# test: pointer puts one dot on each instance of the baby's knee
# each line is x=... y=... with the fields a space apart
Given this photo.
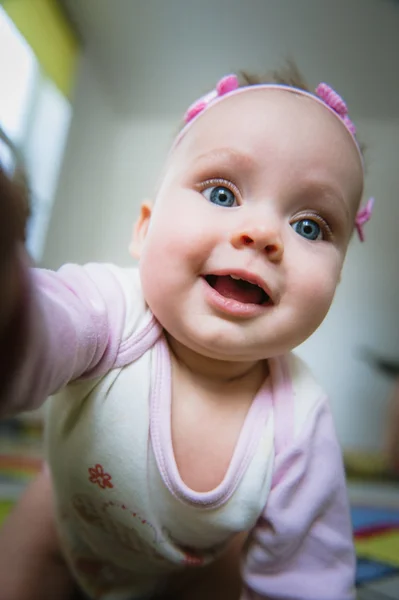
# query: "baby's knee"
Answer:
x=31 y=563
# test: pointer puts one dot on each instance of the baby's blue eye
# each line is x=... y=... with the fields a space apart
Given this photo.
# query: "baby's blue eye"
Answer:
x=221 y=196
x=308 y=229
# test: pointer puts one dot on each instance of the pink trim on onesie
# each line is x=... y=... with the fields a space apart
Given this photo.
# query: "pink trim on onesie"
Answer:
x=259 y=412
x=135 y=346
x=283 y=403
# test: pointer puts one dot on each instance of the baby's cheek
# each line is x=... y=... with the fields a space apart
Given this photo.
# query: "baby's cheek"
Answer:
x=319 y=296
x=161 y=272
x=188 y=247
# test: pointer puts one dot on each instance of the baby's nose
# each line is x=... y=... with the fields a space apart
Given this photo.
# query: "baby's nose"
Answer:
x=262 y=238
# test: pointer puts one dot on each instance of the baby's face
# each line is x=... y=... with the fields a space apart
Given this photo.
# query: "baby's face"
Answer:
x=264 y=187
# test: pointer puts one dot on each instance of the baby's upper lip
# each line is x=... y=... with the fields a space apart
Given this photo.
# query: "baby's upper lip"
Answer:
x=253 y=278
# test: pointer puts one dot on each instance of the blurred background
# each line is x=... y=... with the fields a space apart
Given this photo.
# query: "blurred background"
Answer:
x=92 y=94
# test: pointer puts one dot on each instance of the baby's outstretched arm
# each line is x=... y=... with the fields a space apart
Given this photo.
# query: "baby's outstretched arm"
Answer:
x=54 y=326
x=301 y=548
x=74 y=325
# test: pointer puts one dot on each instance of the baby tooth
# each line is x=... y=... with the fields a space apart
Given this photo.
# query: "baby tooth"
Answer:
x=235 y=277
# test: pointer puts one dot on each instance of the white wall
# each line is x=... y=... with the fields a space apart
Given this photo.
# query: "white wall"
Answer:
x=112 y=163
x=79 y=228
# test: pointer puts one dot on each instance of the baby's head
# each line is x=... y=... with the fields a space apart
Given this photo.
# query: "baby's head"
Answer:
x=241 y=253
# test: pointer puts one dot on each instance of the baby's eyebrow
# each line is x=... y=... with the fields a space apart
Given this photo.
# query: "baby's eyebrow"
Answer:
x=328 y=196
x=228 y=155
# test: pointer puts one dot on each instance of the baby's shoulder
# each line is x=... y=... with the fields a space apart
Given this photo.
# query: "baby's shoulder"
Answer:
x=136 y=309
x=309 y=396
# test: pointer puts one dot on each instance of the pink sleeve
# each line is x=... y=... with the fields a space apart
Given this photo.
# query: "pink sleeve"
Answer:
x=301 y=547
x=75 y=323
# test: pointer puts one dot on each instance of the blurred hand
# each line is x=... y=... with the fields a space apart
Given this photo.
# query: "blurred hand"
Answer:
x=12 y=231
x=13 y=214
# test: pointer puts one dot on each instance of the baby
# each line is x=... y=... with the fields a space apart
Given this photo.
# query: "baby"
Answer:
x=181 y=418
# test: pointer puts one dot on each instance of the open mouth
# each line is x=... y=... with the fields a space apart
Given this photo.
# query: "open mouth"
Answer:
x=238 y=289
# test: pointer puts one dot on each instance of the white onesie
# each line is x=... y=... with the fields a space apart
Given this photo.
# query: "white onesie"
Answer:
x=126 y=518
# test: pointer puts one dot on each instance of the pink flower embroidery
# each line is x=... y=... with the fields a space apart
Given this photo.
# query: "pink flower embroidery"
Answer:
x=190 y=560
x=97 y=475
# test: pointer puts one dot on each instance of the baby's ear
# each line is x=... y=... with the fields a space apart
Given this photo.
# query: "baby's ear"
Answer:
x=140 y=229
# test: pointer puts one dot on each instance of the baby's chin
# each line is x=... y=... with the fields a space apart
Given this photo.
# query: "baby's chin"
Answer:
x=231 y=340
x=220 y=345
x=225 y=355
x=224 y=342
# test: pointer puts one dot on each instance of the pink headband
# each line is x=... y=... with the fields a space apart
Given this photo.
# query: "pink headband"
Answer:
x=325 y=95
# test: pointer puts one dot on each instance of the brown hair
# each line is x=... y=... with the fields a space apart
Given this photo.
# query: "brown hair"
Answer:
x=289 y=74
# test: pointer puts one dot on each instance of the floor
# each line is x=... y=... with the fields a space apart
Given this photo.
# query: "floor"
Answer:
x=387 y=589
x=375 y=516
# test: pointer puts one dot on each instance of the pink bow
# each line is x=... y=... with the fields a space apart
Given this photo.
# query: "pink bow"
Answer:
x=334 y=101
x=227 y=84
x=362 y=217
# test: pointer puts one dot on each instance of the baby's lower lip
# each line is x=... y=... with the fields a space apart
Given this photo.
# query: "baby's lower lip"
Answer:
x=231 y=306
